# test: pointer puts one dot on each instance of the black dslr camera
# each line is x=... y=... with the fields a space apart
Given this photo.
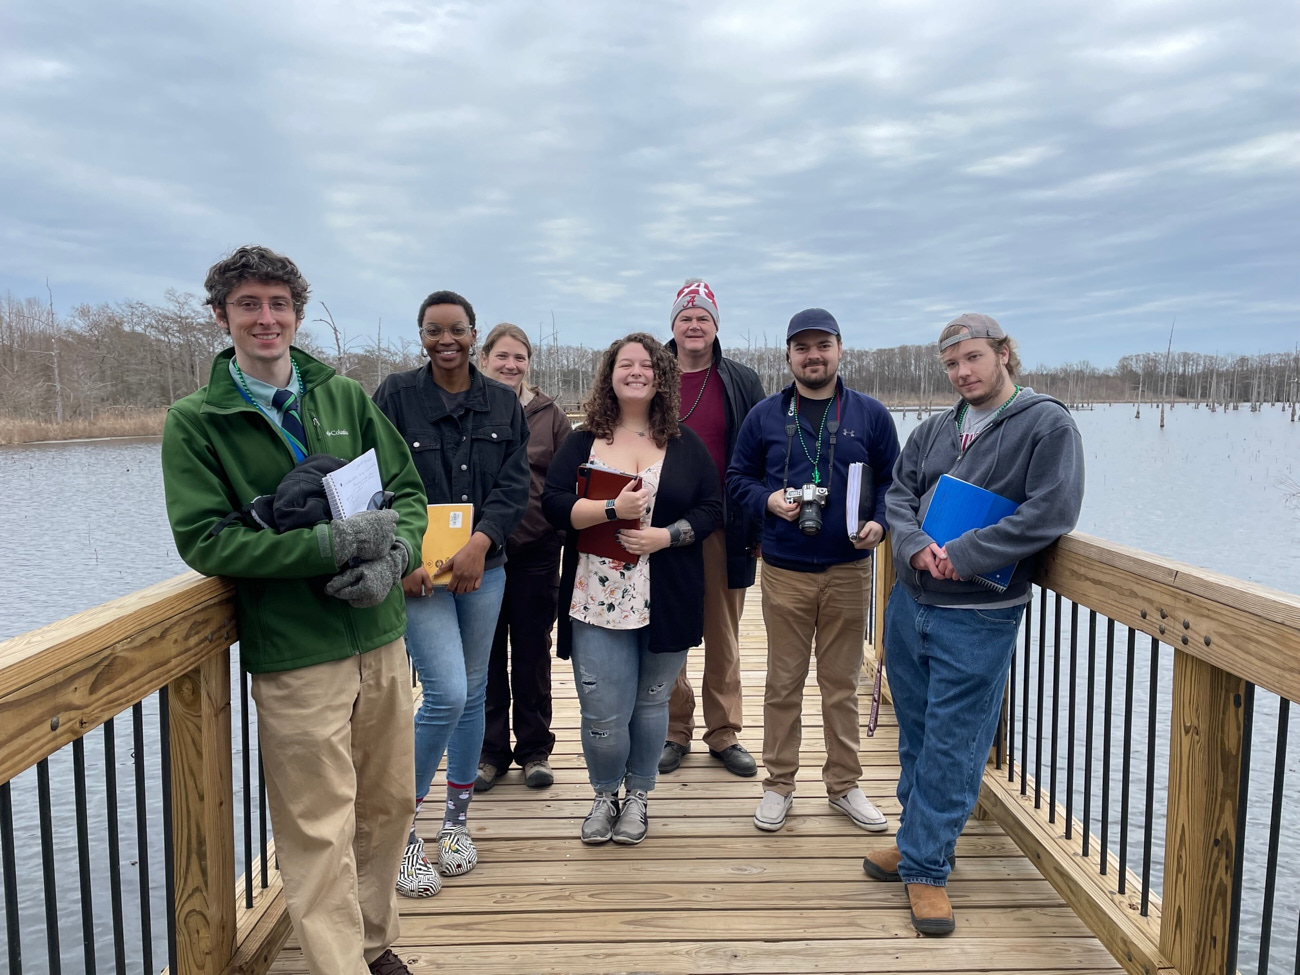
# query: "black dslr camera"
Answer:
x=811 y=499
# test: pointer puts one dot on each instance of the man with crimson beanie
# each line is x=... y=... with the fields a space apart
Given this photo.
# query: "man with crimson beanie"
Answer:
x=717 y=393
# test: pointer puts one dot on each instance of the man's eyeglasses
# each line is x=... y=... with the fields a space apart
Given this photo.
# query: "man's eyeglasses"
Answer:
x=435 y=331
x=251 y=306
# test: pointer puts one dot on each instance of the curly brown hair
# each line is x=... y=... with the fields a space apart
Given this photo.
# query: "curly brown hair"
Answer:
x=601 y=406
x=254 y=263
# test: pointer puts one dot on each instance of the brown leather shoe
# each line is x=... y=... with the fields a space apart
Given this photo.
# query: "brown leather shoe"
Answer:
x=883 y=864
x=931 y=911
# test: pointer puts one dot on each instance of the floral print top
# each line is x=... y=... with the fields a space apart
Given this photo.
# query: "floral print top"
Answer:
x=613 y=594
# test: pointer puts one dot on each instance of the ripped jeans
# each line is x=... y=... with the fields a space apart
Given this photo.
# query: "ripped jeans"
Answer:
x=623 y=691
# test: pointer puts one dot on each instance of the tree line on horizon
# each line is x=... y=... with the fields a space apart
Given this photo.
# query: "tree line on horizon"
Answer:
x=111 y=359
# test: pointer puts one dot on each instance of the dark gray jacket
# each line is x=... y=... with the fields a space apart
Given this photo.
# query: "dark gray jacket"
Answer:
x=1031 y=454
x=481 y=458
x=743 y=391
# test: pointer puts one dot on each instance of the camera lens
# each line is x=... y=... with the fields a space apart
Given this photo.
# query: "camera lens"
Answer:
x=810 y=518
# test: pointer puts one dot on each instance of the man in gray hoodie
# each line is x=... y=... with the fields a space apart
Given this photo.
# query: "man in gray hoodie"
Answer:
x=949 y=636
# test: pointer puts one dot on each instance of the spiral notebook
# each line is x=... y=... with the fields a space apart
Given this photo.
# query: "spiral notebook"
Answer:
x=958 y=507
x=356 y=486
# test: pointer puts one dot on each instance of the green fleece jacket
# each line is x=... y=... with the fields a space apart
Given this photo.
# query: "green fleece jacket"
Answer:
x=220 y=452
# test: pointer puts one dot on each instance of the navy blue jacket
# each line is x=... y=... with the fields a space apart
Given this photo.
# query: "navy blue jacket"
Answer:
x=866 y=434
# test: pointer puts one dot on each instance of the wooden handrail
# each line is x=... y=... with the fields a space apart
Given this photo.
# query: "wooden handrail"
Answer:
x=64 y=680
x=1224 y=632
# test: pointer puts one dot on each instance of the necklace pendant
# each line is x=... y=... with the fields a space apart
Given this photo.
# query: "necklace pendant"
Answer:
x=817 y=476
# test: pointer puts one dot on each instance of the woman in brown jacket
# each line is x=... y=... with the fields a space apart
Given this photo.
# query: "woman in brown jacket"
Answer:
x=532 y=577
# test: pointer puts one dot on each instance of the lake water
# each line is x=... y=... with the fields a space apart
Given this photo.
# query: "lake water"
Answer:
x=83 y=523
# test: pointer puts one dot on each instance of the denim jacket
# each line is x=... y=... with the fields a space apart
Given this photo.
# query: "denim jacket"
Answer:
x=480 y=457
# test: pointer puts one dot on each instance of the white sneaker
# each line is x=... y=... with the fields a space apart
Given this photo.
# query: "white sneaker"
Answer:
x=859 y=809
x=771 y=812
x=416 y=877
x=456 y=853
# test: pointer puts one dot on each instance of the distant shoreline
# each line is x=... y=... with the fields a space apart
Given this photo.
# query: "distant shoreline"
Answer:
x=149 y=423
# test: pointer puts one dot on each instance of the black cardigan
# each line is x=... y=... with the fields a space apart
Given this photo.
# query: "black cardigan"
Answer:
x=688 y=488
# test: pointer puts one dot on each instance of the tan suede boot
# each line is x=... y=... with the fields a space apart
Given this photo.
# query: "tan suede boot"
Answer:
x=883 y=864
x=931 y=911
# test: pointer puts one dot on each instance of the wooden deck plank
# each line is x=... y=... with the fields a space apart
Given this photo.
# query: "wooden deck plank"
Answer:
x=707 y=892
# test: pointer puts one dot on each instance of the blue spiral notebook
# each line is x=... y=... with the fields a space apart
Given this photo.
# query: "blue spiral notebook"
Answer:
x=959 y=506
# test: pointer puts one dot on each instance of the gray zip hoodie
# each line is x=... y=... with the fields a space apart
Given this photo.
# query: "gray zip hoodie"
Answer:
x=1031 y=454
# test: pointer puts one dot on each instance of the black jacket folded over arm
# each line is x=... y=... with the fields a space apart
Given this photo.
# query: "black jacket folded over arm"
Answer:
x=688 y=488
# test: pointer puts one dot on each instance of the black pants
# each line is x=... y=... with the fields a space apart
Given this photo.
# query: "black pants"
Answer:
x=527 y=615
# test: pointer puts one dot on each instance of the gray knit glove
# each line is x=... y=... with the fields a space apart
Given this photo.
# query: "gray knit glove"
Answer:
x=369 y=583
x=367 y=535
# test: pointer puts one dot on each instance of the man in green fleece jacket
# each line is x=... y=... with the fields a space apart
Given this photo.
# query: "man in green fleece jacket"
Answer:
x=320 y=609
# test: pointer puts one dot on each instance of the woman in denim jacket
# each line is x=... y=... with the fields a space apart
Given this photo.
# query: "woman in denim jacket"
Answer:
x=469 y=440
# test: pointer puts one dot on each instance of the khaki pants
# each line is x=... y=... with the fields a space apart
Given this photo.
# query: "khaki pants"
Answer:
x=803 y=612
x=337 y=744
x=720 y=690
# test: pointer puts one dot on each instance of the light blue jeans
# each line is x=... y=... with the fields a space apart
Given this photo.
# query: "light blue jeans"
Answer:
x=947 y=672
x=449 y=638
x=623 y=693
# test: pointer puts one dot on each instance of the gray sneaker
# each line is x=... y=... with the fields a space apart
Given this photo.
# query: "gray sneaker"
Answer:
x=632 y=823
x=538 y=775
x=598 y=827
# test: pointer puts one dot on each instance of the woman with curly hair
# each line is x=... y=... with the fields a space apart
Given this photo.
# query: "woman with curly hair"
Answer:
x=628 y=625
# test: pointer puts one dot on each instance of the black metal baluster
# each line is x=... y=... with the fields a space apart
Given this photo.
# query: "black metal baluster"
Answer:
x=1087 y=733
x=1056 y=705
x=1239 y=853
x=9 y=859
x=1024 y=699
x=142 y=837
x=1274 y=836
x=169 y=846
x=114 y=848
x=47 y=866
x=1126 y=761
x=1103 y=846
x=1038 y=713
x=1069 y=760
x=83 y=854
x=248 y=788
x=1149 y=822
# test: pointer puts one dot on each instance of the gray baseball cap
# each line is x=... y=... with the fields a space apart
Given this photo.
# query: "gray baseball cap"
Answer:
x=976 y=327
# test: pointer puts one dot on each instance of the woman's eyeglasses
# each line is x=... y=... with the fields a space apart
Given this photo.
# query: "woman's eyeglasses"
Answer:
x=435 y=331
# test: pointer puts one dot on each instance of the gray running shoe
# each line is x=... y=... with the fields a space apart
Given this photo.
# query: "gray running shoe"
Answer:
x=598 y=827
x=632 y=824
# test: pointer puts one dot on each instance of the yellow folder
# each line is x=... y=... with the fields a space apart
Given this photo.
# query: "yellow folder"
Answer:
x=449 y=529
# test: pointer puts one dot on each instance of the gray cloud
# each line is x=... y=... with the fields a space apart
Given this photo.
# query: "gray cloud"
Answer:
x=1082 y=171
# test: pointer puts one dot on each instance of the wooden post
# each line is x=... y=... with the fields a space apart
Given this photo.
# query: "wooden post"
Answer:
x=1201 y=826
x=202 y=818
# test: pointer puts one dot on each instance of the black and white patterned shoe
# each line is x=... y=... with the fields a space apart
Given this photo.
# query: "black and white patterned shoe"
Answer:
x=417 y=877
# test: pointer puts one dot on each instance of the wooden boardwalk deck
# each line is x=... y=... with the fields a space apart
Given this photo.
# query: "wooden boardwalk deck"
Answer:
x=707 y=892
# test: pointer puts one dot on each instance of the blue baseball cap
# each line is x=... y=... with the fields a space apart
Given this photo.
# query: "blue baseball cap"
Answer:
x=815 y=318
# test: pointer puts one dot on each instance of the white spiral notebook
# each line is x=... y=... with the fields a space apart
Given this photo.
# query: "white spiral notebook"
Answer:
x=353 y=486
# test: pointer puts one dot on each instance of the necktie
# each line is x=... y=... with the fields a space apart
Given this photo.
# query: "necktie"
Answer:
x=291 y=421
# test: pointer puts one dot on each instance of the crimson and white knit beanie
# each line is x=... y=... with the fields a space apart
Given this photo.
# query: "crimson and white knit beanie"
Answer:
x=695 y=293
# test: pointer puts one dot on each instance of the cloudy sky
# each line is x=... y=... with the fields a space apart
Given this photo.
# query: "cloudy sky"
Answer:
x=1084 y=171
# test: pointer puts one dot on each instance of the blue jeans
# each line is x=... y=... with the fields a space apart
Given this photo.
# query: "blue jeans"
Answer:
x=947 y=673
x=449 y=638
x=623 y=693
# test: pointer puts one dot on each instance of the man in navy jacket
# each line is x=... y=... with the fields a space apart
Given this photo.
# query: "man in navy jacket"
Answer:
x=815 y=585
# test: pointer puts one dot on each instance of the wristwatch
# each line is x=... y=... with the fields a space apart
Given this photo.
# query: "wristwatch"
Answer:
x=610 y=513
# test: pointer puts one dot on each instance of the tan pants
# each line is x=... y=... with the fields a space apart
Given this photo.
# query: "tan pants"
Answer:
x=720 y=690
x=799 y=608
x=339 y=752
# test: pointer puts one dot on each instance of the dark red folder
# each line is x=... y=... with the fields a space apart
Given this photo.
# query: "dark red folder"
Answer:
x=600 y=484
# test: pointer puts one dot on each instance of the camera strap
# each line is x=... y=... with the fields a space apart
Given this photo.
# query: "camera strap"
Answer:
x=790 y=430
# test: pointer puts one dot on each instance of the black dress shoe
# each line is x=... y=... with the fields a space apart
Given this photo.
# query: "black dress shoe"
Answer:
x=735 y=760
x=671 y=759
